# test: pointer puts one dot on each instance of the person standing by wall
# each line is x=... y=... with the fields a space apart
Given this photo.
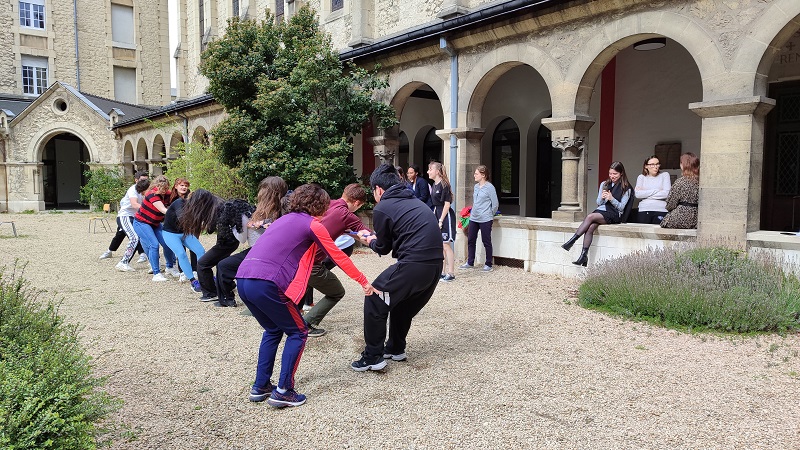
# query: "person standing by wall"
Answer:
x=441 y=198
x=406 y=228
x=421 y=188
x=481 y=218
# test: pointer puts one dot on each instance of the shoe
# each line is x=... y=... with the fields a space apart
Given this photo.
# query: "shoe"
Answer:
x=160 y=277
x=196 y=286
x=142 y=259
x=223 y=303
x=398 y=357
x=173 y=271
x=106 y=254
x=568 y=245
x=442 y=276
x=487 y=268
x=315 y=332
x=259 y=394
x=583 y=259
x=448 y=278
x=208 y=297
x=182 y=278
x=149 y=270
x=289 y=398
x=307 y=308
x=122 y=267
x=466 y=266
x=362 y=365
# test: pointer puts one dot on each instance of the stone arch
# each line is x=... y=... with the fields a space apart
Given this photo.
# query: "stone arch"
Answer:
x=489 y=69
x=582 y=74
x=769 y=32
x=406 y=82
x=159 y=149
x=174 y=141
x=142 y=150
x=200 y=135
x=128 y=164
x=42 y=136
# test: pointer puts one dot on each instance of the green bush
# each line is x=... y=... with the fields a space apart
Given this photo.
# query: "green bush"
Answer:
x=200 y=165
x=48 y=396
x=699 y=288
x=103 y=185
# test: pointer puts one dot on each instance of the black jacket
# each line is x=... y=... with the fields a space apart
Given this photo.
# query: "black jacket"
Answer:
x=406 y=227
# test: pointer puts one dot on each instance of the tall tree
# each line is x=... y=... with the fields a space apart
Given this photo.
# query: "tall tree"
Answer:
x=291 y=103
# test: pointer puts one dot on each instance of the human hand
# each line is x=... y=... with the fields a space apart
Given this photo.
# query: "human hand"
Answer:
x=369 y=290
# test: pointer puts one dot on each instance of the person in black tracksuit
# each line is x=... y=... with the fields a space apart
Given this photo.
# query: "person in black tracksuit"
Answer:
x=404 y=226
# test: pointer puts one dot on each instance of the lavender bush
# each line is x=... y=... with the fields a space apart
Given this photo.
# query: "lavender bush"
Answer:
x=698 y=288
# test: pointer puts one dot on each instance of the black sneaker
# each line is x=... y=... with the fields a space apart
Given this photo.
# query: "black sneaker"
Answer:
x=208 y=297
x=363 y=364
x=315 y=332
x=261 y=394
x=226 y=303
x=448 y=278
x=397 y=357
x=290 y=398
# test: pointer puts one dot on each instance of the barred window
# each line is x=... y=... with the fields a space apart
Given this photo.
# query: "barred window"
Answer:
x=337 y=5
x=31 y=14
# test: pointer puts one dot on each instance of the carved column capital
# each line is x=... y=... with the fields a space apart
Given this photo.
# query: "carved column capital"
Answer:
x=570 y=146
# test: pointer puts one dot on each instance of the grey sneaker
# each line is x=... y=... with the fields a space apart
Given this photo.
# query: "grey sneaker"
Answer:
x=398 y=357
x=315 y=332
x=487 y=268
x=141 y=259
x=106 y=254
x=466 y=266
x=122 y=267
x=363 y=365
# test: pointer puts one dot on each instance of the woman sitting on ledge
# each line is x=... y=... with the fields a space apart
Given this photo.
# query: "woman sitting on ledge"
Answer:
x=612 y=197
x=682 y=200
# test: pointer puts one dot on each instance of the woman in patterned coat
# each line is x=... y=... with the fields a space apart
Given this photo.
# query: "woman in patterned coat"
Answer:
x=682 y=200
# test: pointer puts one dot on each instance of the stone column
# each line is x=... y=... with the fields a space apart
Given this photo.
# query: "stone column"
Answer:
x=569 y=135
x=362 y=15
x=731 y=166
x=386 y=145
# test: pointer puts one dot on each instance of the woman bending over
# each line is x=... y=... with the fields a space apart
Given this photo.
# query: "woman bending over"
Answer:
x=613 y=195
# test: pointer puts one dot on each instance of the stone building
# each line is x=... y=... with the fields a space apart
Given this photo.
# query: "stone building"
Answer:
x=548 y=93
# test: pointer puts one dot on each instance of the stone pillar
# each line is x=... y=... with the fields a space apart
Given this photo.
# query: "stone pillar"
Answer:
x=25 y=186
x=731 y=166
x=569 y=135
x=362 y=15
x=386 y=145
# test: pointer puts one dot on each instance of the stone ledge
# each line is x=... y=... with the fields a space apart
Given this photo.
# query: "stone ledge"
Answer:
x=628 y=230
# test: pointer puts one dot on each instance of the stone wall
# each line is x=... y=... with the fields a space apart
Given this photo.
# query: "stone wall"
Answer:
x=8 y=78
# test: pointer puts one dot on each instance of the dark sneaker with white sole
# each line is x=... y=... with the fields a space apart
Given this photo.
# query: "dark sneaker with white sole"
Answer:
x=261 y=394
x=398 y=357
x=364 y=364
x=289 y=398
x=315 y=332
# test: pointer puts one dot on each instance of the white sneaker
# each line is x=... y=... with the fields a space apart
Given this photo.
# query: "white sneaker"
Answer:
x=106 y=254
x=142 y=258
x=123 y=267
x=182 y=278
x=160 y=277
x=173 y=271
x=149 y=270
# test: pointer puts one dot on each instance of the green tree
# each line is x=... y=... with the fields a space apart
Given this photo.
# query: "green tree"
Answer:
x=199 y=164
x=291 y=103
x=103 y=185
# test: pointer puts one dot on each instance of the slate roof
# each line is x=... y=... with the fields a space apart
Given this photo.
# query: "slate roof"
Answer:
x=15 y=103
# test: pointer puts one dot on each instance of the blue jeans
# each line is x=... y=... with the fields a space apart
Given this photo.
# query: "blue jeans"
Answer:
x=178 y=242
x=151 y=237
x=277 y=315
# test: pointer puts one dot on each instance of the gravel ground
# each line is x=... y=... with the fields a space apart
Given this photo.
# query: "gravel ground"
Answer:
x=498 y=360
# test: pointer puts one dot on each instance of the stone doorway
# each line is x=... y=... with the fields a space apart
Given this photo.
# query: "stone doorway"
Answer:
x=64 y=159
x=780 y=204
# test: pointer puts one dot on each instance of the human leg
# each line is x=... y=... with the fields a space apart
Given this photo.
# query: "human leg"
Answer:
x=169 y=255
x=116 y=241
x=133 y=239
x=406 y=305
x=449 y=259
x=206 y=264
x=254 y=294
x=174 y=242
x=331 y=288
x=195 y=249
x=472 y=240
x=376 y=311
x=149 y=242
x=226 y=277
x=486 y=238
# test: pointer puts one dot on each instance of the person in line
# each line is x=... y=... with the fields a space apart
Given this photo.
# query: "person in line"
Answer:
x=125 y=220
x=178 y=240
x=406 y=228
x=442 y=198
x=128 y=206
x=339 y=218
x=481 y=218
x=612 y=198
x=652 y=188
x=421 y=188
x=682 y=200
x=228 y=219
x=268 y=208
x=272 y=280
x=180 y=190
x=147 y=223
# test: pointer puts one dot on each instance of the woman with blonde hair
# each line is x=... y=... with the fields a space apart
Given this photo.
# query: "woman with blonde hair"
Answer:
x=148 y=226
x=442 y=198
x=682 y=200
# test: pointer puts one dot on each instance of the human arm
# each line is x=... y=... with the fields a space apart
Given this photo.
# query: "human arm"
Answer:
x=242 y=237
x=664 y=188
x=619 y=205
x=381 y=241
x=674 y=196
x=494 y=199
x=641 y=190
x=158 y=204
x=424 y=190
x=323 y=239
x=447 y=198
x=600 y=199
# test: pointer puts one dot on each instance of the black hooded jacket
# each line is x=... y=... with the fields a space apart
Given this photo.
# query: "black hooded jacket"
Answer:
x=406 y=226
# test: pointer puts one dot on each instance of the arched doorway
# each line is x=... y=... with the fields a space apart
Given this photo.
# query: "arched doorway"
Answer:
x=548 y=174
x=64 y=159
x=505 y=165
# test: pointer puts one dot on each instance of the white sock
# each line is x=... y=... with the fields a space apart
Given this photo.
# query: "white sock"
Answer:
x=282 y=391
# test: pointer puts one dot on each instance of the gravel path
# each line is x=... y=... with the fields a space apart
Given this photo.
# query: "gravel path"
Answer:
x=499 y=360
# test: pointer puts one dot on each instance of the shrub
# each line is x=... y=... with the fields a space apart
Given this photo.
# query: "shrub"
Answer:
x=200 y=165
x=48 y=396
x=103 y=185
x=699 y=288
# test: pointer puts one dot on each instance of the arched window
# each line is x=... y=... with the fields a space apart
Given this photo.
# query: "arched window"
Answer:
x=505 y=162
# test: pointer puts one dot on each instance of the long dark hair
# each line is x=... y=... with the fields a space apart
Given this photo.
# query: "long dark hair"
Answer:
x=616 y=165
x=200 y=213
x=270 y=192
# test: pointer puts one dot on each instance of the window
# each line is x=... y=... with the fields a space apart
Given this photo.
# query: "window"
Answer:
x=337 y=5
x=122 y=25
x=201 y=12
x=505 y=161
x=31 y=14
x=34 y=75
x=125 y=84
x=235 y=8
x=278 y=10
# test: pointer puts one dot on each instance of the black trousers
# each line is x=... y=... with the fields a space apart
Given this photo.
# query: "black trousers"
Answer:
x=206 y=263
x=226 y=275
x=406 y=288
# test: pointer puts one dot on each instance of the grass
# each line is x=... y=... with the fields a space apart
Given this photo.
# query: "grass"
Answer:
x=701 y=288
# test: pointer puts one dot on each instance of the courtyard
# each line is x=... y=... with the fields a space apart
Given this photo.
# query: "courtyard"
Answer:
x=505 y=359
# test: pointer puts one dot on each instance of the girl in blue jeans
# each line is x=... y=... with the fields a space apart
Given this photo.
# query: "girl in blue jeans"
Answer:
x=202 y=203
x=147 y=225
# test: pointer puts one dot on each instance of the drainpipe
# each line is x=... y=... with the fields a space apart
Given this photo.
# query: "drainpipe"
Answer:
x=448 y=48
x=77 y=55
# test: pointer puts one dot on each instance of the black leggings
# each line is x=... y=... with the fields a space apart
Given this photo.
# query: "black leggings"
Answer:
x=206 y=263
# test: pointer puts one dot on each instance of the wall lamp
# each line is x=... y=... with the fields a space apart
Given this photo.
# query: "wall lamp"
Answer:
x=650 y=44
